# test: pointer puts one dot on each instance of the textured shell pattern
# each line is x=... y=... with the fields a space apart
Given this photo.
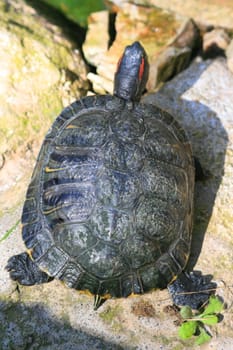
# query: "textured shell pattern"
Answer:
x=110 y=204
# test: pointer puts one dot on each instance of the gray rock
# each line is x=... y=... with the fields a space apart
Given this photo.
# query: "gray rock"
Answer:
x=168 y=39
x=53 y=317
x=216 y=13
x=42 y=71
x=229 y=54
x=215 y=42
x=200 y=98
x=37 y=61
x=34 y=327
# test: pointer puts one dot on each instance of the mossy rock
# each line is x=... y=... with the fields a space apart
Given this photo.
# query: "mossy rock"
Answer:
x=41 y=71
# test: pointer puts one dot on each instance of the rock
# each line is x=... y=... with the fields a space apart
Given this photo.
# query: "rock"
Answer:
x=168 y=41
x=95 y=45
x=10 y=245
x=215 y=42
x=200 y=98
x=41 y=72
x=33 y=326
x=211 y=13
x=229 y=54
x=51 y=316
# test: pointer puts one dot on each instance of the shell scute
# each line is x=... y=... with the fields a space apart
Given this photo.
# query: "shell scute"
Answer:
x=117 y=189
x=113 y=189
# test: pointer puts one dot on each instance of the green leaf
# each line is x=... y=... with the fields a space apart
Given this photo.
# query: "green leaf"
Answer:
x=215 y=306
x=209 y=319
x=77 y=10
x=203 y=337
x=186 y=312
x=187 y=329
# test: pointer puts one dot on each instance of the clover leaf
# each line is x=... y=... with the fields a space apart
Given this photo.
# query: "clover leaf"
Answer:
x=194 y=323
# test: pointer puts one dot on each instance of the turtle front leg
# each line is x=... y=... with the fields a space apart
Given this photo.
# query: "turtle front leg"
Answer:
x=23 y=270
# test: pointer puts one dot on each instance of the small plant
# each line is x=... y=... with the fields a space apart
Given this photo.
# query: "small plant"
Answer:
x=195 y=323
x=8 y=232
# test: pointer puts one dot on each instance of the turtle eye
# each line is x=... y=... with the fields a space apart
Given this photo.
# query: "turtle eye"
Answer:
x=141 y=69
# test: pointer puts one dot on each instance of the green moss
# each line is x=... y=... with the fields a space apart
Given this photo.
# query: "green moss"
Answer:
x=22 y=26
x=181 y=347
x=164 y=340
x=33 y=84
x=223 y=263
x=46 y=102
x=111 y=316
x=165 y=23
x=32 y=124
x=227 y=218
x=110 y=313
x=61 y=58
x=178 y=344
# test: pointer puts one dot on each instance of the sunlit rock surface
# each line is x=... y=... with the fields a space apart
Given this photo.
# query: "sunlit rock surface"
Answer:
x=200 y=98
x=52 y=316
x=168 y=40
x=211 y=13
x=41 y=72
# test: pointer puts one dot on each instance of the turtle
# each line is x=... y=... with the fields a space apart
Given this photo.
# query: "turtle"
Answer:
x=109 y=208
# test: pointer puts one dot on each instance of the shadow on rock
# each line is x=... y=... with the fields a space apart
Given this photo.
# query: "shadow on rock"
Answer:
x=194 y=99
x=34 y=327
x=71 y=29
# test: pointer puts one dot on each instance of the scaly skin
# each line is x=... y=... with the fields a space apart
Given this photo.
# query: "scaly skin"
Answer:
x=23 y=270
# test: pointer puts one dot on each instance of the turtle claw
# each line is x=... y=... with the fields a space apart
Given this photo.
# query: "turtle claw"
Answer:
x=98 y=301
x=192 y=289
x=23 y=270
x=16 y=267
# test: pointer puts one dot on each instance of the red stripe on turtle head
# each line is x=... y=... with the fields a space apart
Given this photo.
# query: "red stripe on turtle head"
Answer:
x=141 y=69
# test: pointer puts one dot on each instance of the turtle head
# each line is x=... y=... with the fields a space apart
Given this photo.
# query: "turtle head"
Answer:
x=132 y=73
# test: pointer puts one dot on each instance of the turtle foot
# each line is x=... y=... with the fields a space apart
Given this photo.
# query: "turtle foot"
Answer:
x=98 y=301
x=23 y=270
x=192 y=289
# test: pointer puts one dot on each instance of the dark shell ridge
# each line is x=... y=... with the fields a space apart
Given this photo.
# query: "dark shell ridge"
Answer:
x=109 y=207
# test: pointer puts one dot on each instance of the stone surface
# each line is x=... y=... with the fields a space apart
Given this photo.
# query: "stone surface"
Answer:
x=41 y=72
x=168 y=41
x=215 y=42
x=52 y=316
x=229 y=54
x=201 y=99
x=214 y=12
x=96 y=45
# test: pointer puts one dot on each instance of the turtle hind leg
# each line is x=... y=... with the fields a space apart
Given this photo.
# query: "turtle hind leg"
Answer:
x=23 y=270
x=192 y=289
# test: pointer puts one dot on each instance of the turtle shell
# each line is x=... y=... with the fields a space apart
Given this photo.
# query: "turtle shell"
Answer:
x=110 y=203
